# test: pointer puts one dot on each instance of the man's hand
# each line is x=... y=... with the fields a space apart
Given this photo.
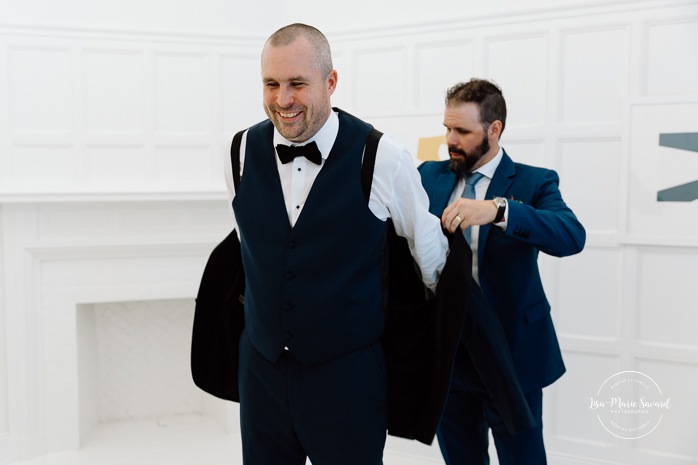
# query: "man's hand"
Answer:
x=464 y=213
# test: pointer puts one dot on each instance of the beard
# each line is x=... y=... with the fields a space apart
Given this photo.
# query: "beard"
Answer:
x=464 y=165
x=300 y=130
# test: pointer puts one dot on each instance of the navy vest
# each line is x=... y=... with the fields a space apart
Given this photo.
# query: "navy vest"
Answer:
x=314 y=288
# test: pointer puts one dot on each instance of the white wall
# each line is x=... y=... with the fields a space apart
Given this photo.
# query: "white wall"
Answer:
x=141 y=98
x=213 y=17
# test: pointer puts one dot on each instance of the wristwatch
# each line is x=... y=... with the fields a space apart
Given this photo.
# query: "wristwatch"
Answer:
x=501 y=205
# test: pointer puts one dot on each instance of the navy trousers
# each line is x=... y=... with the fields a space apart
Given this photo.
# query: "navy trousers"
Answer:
x=469 y=415
x=333 y=413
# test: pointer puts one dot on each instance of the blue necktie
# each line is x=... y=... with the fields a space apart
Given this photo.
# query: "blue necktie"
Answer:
x=469 y=193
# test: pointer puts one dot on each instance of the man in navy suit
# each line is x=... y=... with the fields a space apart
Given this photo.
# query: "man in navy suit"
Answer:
x=517 y=211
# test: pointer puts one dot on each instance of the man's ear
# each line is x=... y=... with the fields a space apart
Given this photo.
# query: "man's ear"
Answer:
x=495 y=129
x=331 y=81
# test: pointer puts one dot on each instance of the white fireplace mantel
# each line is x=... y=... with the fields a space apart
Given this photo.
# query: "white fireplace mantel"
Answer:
x=63 y=251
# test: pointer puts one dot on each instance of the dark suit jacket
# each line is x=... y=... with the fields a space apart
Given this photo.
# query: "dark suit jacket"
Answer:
x=538 y=220
x=420 y=338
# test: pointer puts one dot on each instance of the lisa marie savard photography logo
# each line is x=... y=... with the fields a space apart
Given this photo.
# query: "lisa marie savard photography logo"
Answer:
x=630 y=405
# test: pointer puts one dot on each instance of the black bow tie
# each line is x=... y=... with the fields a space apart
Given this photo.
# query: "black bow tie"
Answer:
x=310 y=151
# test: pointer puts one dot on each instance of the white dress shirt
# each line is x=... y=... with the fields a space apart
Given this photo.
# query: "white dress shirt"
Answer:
x=487 y=171
x=396 y=192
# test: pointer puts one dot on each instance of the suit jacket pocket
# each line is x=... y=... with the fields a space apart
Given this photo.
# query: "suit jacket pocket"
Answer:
x=536 y=311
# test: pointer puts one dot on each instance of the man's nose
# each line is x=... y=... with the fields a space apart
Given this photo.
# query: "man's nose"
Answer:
x=285 y=97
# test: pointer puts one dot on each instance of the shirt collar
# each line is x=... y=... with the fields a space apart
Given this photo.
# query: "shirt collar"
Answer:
x=490 y=167
x=324 y=138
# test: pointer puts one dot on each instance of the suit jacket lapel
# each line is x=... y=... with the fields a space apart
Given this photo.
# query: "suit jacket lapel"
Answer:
x=499 y=185
x=443 y=188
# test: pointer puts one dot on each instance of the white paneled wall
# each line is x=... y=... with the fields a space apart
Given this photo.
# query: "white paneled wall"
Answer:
x=124 y=133
x=111 y=112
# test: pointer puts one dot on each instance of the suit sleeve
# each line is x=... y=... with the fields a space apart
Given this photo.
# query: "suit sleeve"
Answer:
x=547 y=223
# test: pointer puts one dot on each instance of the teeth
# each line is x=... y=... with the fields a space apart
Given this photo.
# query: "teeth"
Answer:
x=288 y=115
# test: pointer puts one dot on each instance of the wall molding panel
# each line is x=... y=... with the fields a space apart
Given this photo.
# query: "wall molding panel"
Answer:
x=73 y=97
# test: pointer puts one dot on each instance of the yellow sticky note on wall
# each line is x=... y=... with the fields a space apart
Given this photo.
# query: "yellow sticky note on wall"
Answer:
x=428 y=148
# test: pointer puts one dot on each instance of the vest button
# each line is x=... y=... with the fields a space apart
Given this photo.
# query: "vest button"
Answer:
x=287 y=307
x=292 y=245
x=289 y=276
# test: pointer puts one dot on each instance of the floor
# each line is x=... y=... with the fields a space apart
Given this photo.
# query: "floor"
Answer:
x=189 y=440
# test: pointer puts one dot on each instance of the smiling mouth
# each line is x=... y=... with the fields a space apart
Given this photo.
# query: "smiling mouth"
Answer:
x=288 y=115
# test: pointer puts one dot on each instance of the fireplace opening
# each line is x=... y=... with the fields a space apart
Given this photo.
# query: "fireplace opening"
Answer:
x=133 y=364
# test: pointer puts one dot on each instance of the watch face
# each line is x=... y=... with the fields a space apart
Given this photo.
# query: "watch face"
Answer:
x=501 y=206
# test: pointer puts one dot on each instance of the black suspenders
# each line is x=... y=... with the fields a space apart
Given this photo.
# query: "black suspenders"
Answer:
x=366 y=168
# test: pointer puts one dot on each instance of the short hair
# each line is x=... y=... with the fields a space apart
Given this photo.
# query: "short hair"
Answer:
x=485 y=94
x=322 y=55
